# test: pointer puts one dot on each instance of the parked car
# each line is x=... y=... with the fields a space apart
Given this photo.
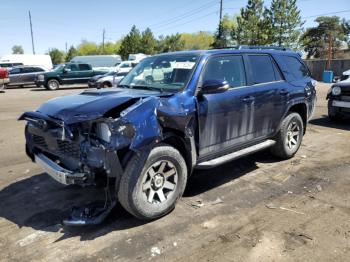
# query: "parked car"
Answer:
x=345 y=76
x=339 y=100
x=126 y=66
x=26 y=59
x=24 y=75
x=109 y=79
x=150 y=133
x=4 y=78
x=70 y=73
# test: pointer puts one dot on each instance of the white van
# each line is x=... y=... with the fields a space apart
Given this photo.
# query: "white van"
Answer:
x=99 y=62
x=33 y=60
x=137 y=57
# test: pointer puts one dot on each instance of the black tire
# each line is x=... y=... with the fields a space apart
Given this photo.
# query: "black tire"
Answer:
x=106 y=85
x=52 y=84
x=285 y=148
x=136 y=183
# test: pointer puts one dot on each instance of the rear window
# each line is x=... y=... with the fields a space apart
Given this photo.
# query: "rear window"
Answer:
x=83 y=67
x=296 y=67
x=264 y=69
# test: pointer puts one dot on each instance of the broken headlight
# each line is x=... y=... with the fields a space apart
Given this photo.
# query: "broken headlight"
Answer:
x=103 y=132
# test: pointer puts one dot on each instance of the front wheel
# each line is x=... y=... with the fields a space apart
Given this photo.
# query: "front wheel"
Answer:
x=288 y=139
x=52 y=84
x=154 y=179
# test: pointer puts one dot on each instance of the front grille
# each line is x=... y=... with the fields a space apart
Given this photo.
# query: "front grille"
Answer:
x=64 y=148
x=39 y=141
x=345 y=92
x=68 y=148
x=345 y=98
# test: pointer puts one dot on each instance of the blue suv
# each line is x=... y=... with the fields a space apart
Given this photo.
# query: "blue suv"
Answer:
x=173 y=113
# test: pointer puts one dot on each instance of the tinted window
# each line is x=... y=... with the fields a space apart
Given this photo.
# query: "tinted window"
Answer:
x=15 y=71
x=28 y=70
x=297 y=68
x=84 y=67
x=38 y=69
x=125 y=65
x=263 y=69
x=122 y=74
x=226 y=68
x=74 y=67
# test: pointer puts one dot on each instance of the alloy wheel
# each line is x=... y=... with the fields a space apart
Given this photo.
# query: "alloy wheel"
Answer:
x=160 y=182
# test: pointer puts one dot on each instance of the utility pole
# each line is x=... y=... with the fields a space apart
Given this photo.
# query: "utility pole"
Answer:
x=31 y=32
x=66 y=47
x=330 y=47
x=103 y=41
x=220 y=29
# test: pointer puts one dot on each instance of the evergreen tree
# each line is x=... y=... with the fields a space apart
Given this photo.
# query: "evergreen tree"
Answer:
x=57 y=56
x=222 y=36
x=72 y=52
x=131 y=43
x=326 y=37
x=252 y=25
x=148 y=42
x=286 y=23
x=170 y=43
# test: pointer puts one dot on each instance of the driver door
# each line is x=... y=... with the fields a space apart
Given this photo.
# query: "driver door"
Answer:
x=225 y=119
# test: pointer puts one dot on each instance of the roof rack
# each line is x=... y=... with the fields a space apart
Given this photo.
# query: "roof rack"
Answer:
x=259 y=47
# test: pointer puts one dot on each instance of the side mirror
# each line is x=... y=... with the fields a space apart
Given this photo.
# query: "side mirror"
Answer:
x=66 y=70
x=214 y=86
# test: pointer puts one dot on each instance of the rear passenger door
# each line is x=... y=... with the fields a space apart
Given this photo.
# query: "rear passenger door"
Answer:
x=270 y=94
x=225 y=119
x=85 y=72
x=15 y=75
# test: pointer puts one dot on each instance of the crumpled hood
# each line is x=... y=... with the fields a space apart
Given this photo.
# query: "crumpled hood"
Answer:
x=90 y=104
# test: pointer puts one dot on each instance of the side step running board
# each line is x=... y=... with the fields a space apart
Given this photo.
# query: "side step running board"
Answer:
x=229 y=157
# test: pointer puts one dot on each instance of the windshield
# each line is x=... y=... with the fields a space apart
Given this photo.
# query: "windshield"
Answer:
x=58 y=68
x=165 y=72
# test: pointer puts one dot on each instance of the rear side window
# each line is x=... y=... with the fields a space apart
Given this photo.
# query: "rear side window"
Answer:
x=28 y=69
x=296 y=67
x=84 y=67
x=15 y=71
x=264 y=69
x=228 y=68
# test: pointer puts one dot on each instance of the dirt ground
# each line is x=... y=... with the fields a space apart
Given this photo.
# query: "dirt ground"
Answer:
x=254 y=209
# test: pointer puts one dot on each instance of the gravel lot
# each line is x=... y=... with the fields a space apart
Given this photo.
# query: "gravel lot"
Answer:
x=254 y=209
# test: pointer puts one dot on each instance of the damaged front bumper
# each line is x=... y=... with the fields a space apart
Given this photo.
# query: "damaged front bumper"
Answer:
x=71 y=155
x=60 y=174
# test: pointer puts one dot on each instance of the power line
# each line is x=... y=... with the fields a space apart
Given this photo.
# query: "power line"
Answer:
x=183 y=15
x=195 y=19
x=331 y=13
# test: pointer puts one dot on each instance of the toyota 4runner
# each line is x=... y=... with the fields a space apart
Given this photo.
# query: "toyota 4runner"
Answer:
x=173 y=113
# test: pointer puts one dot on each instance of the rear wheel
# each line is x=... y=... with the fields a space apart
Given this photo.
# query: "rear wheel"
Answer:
x=52 y=84
x=288 y=139
x=153 y=181
x=106 y=85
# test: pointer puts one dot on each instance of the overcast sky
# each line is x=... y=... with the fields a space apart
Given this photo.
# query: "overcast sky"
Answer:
x=56 y=23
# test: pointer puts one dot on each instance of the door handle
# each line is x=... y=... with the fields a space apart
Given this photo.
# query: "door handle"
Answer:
x=284 y=92
x=248 y=99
